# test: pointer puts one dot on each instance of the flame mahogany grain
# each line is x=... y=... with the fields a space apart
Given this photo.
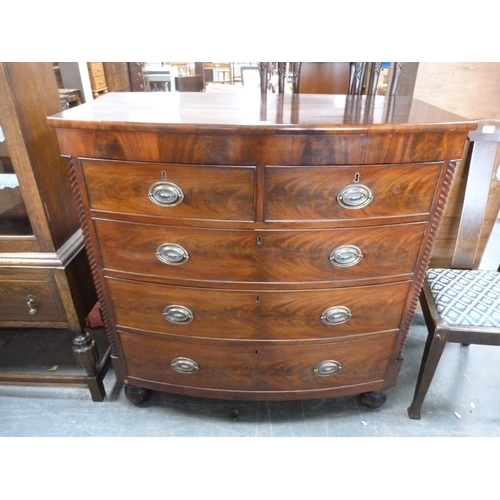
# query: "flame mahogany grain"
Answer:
x=259 y=219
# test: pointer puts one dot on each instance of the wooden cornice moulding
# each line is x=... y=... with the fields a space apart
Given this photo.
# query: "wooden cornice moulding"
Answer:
x=59 y=260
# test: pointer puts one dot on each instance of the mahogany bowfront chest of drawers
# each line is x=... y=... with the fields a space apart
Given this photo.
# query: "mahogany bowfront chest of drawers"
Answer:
x=259 y=247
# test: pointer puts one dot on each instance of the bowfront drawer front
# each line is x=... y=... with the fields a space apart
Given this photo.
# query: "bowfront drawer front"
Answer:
x=171 y=191
x=346 y=193
x=30 y=298
x=254 y=366
x=248 y=256
x=245 y=314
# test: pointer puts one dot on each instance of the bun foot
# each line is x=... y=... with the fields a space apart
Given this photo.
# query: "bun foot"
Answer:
x=136 y=395
x=373 y=399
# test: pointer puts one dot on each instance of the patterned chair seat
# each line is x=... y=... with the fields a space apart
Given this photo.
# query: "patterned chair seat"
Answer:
x=463 y=297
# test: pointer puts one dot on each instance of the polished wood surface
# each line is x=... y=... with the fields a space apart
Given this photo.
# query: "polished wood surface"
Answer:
x=261 y=215
x=241 y=257
x=330 y=114
x=258 y=314
x=304 y=193
x=257 y=370
x=214 y=192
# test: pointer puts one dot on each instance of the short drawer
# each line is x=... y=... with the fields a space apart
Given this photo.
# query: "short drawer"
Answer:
x=347 y=193
x=171 y=191
x=265 y=256
x=29 y=298
x=98 y=82
x=254 y=366
x=258 y=314
x=96 y=68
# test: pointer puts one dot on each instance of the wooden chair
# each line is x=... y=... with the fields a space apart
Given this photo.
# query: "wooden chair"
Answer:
x=192 y=83
x=352 y=78
x=460 y=303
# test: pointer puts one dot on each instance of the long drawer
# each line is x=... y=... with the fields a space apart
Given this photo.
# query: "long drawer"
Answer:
x=264 y=256
x=346 y=193
x=269 y=315
x=256 y=366
x=171 y=191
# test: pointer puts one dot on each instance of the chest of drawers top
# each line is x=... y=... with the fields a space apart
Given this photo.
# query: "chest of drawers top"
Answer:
x=242 y=128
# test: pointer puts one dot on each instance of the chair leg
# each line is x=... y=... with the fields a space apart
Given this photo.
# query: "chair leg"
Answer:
x=433 y=350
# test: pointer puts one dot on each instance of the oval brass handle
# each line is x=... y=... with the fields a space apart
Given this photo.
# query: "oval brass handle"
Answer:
x=184 y=365
x=172 y=254
x=166 y=194
x=355 y=196
x=336 y=315
x=178 y=314
x=31 y=302
x=327 y=367
x=345 y=256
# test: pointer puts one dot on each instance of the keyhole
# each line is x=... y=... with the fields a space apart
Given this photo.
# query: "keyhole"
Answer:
x=164 y=175
x=255 y=353
x=259 y=240
x=356 y=177
x=257 y=298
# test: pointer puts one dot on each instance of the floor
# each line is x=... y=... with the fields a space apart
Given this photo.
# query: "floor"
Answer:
x=464 y=400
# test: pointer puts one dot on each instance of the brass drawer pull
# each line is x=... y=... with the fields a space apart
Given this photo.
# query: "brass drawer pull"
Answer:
x=355 y=196
x=178 y=314
x=336 y=315
x=184 y=365
x=166 y=194
x=345 y=256
x=172 y=254
x=328 y=367
x=31 y=302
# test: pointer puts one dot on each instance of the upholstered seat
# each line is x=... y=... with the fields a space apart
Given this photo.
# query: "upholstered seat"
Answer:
x=466 y=297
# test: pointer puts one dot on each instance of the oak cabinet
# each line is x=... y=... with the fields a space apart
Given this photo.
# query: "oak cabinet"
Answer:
x=45 y=276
